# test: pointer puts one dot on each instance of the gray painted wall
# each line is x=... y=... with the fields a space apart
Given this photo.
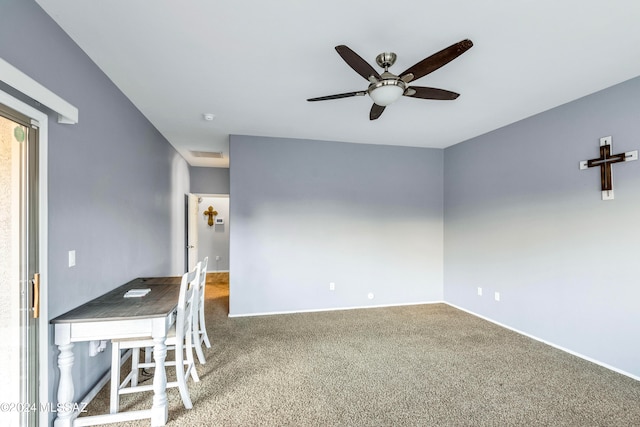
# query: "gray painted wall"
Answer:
x=116 y=186
x=307 y=213
x=523 y=220
x=209 y=180
x=214 y=240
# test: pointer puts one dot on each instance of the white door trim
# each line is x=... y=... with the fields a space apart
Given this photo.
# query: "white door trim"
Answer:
x=15 y=78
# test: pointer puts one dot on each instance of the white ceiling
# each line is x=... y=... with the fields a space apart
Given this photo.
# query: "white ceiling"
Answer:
x=253 y=63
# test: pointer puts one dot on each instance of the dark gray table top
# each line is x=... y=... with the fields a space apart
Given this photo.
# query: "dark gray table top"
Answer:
x=161 y=301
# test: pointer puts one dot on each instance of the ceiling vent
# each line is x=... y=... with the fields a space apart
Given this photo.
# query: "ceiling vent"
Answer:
x=208 y=154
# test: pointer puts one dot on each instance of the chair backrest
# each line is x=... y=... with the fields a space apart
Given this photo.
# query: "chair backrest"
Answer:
x=195 y=286
x=187 y=303
x=203 y=280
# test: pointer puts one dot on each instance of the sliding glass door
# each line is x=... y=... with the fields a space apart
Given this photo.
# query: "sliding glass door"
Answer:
x=18 y=269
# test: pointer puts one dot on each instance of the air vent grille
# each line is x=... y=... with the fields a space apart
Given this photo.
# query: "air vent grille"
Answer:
x=208 y=154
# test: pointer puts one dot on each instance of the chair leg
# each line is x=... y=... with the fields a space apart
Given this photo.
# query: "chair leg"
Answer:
x=205 y=339
x=180 y=374
x=135 y=359
x=114 y=405
x=202 y=329
x=147 y=354
x=191 y=363
x=197 y=343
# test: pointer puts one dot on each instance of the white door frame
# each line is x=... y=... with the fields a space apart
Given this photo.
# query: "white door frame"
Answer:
x=43 y=322
x=192 y=231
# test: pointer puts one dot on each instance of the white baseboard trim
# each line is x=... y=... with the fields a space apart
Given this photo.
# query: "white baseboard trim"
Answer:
x=318 y=310
x=533 y=337
x=217 y=271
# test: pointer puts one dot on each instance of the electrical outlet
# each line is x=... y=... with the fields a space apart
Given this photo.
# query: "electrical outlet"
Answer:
x=480 y=291
x=497 y=296
x=96 y=347
x=332 y=286
x=370 y=295
x=217 y=257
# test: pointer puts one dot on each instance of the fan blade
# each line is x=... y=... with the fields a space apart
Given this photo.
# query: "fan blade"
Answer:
x=358 y=64
x=338 y=96
x=435 y=61
x=375 y=112
x=430 y=93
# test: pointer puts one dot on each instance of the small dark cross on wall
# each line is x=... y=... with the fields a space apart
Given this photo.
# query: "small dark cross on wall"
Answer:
x=605 y=161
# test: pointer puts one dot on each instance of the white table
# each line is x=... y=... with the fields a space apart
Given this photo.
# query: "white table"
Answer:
x=113 y=316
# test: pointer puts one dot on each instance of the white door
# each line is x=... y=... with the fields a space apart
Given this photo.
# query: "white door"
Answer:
x=18 y=268
x=192 y=230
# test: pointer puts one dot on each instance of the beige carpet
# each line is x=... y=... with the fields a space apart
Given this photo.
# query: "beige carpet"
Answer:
x=428 y=365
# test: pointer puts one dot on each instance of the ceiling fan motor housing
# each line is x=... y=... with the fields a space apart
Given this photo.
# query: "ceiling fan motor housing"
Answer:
x=386 y=59
x=389 y=87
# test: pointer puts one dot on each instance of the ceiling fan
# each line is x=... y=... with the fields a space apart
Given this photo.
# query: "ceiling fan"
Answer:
x=386 y=88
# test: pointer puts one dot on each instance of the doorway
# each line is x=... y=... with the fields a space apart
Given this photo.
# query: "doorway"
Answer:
x=208 y=230
x=19 y=267
x=213 y=237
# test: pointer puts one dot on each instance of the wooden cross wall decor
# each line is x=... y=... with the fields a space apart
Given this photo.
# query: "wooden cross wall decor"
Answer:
x=210 y=213
x=605 y=161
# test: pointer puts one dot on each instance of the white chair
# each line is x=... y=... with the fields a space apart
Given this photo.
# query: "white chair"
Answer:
x=179 y=338
x=199 y=328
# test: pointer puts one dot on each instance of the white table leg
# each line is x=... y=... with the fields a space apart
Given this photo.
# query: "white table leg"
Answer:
x=65 y=387
x=159 y=410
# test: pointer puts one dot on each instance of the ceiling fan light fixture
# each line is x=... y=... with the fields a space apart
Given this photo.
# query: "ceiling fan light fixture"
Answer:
x=385 y=88
x=386 y=92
